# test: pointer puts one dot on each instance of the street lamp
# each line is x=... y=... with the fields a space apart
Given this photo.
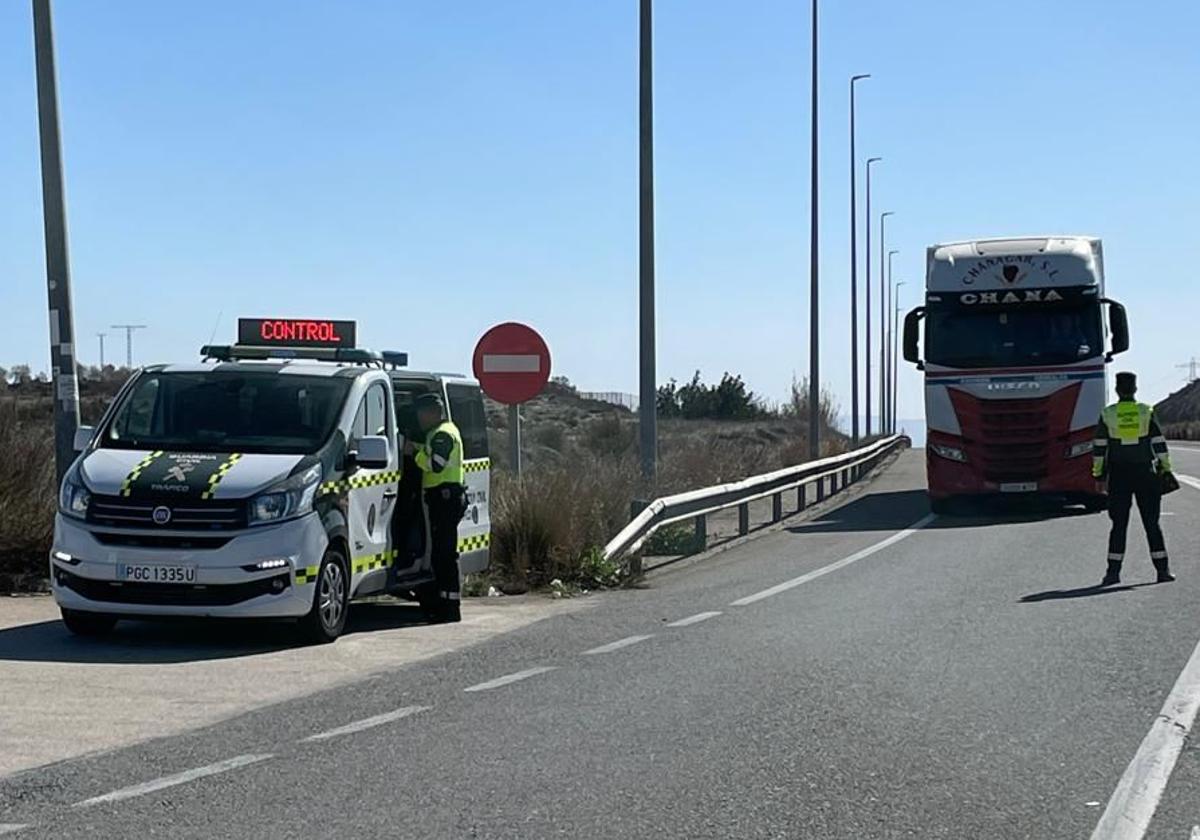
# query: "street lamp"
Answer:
x=854 y=268
x=895 y=351
x=882 y=314
x=648 y=385
x=887 y=348
x=814 y=372
x=867 y=251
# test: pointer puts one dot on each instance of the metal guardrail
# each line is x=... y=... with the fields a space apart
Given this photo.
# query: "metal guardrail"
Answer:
x=848 y=467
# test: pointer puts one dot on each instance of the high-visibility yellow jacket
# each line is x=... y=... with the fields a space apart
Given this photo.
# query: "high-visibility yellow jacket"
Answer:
x=440 y=457
x=1128 y=436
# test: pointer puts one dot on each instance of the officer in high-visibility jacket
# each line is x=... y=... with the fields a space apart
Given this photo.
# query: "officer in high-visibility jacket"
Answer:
x=440 y=459
x=1131 y=453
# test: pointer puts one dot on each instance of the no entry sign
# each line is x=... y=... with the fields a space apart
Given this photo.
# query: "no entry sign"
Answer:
x=512 y=363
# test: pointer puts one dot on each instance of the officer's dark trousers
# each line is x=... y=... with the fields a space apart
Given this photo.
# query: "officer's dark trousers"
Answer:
x=1123 y=487
x=445 y=505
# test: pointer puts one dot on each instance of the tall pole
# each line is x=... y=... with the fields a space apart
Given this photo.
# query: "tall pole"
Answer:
x=814 y=370
x=54 y=217
x=867 y=252
x=887 y=367
x=882 y=317
x=129 y=328
x=854 y=269
x=101 y=337
x=895 y=354
x=648 y=420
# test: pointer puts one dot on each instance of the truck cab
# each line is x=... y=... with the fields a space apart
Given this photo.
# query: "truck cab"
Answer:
x=266 y=481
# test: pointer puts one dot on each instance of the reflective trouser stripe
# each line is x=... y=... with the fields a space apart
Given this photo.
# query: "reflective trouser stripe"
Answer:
x=450 y=596
x=1158 y=555
x=1115 y=558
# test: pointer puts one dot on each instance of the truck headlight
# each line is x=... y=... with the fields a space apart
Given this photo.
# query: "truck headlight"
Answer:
x=950 y=453
x=74 y=497
x=287 y=500
x=1079 y=449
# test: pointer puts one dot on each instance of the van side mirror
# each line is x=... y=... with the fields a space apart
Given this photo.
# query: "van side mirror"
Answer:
x=1118 y=324
x=372 y=452
x=83 y=437
x=912 y=337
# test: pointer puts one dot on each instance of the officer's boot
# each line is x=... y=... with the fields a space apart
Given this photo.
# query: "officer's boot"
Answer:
x=1113 y=575
x=1164 y=571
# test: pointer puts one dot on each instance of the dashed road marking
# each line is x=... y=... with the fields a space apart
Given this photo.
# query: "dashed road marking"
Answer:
x=839 y=564
x=617 y=645
x=172 y=781
x=510 y=678
x=367 y=723
x=693 y=619
x=1195 y=832
x=12 y=828
x=1136 y=798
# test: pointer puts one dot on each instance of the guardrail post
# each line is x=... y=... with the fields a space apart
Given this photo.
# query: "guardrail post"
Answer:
x=777 y=507
x=744 y=518
x=701 y=532
x=820 y=489
x=800 y=502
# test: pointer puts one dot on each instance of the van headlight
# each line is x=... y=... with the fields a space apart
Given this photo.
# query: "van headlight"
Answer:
x=287 y=500
x=950 y=453
x=74 y=497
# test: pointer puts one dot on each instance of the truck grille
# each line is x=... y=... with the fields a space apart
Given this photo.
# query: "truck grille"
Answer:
x=186 y=514
x=1020 y=429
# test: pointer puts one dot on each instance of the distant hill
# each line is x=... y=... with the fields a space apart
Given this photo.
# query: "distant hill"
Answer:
x=1179 y=414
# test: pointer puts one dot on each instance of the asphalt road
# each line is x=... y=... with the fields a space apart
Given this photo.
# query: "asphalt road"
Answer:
x=852 y=677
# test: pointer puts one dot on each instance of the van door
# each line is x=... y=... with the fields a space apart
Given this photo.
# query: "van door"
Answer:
x=411 y=532
x=372 y=496
x=465 y=404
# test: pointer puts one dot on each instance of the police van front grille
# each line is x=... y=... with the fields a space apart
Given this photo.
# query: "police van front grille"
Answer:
x=172 y=594
x=186 y=515
x=187 y=541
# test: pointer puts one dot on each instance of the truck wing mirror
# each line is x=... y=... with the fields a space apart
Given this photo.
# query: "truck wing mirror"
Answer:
x=371 y=452
x=83 y=437
x=1118 y=324
x=912 y=337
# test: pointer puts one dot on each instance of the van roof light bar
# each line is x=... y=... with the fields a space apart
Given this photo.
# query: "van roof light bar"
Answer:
x=346 y=355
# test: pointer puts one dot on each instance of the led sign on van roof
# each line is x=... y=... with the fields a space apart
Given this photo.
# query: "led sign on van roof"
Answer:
x=295 y=332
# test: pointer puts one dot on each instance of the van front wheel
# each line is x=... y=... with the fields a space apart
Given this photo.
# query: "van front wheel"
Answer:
x=331 y=601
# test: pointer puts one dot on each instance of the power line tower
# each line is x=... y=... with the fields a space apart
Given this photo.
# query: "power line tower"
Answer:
x=101 y=337
x=129 y=328
x=1193 y=369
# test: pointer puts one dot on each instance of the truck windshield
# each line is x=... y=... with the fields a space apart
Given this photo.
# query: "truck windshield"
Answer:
x=234 y=411
x=1014 y=337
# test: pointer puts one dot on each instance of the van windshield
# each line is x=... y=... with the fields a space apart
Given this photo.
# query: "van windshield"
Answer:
x=228 y=411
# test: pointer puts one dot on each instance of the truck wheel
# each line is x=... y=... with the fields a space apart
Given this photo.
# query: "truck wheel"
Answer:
x=941 y=506
x=327 y=618
x=88 y=623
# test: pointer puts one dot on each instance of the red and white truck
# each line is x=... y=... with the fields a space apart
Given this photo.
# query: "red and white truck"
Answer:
x=1017 y=336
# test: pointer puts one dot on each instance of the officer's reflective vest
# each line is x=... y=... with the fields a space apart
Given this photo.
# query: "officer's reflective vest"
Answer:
x=1129 y=426
x=441 y=462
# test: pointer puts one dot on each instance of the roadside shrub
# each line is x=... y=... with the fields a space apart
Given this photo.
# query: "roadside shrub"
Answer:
x=551 y=437
x=672 y=540
x=609 y=437
x=27 y=498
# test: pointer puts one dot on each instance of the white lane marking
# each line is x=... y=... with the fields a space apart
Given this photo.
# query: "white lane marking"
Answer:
x=1188 y=480
x=1136 y=798
x=177 y=779
x=1196 y=832
x=511 y=363
x=839 y=564
x=367 y=723
x=10 y=828
x=510 y=678
x=693 y=619
x=617 y=645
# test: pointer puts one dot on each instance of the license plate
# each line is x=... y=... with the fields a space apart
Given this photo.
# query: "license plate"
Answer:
x=1019 y=487
x=150 y=573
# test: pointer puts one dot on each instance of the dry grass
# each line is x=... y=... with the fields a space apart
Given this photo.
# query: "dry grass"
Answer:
x=27 y=497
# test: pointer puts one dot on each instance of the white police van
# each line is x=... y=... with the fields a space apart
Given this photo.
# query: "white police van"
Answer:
x=266 y=481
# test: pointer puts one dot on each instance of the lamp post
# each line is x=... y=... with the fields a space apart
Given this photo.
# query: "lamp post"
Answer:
x=867 y=252
x=854 y=268
x=887 y=346
x=882 y=316
x=814 y=319
x=648 y=386
x=895 y=351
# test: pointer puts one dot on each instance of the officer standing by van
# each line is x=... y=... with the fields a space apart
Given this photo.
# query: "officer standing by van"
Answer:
x=440 y=459
x=1131 y=452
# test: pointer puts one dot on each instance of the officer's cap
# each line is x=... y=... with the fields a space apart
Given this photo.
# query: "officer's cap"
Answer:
x=430 y=402
x=1126 y=382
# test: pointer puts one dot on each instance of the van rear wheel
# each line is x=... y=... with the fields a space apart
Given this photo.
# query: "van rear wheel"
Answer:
x=331 y=601
x=88 y=623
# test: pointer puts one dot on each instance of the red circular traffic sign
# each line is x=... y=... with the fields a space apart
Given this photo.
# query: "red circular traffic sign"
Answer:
x=512 y=363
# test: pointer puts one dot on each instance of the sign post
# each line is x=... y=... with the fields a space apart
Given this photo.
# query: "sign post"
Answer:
x=512 y=364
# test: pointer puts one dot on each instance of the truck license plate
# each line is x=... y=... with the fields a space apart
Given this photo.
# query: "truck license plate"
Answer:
x=149 y=573
x=1019 y=487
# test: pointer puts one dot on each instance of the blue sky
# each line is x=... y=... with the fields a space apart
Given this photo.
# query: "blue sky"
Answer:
x=430 y=169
